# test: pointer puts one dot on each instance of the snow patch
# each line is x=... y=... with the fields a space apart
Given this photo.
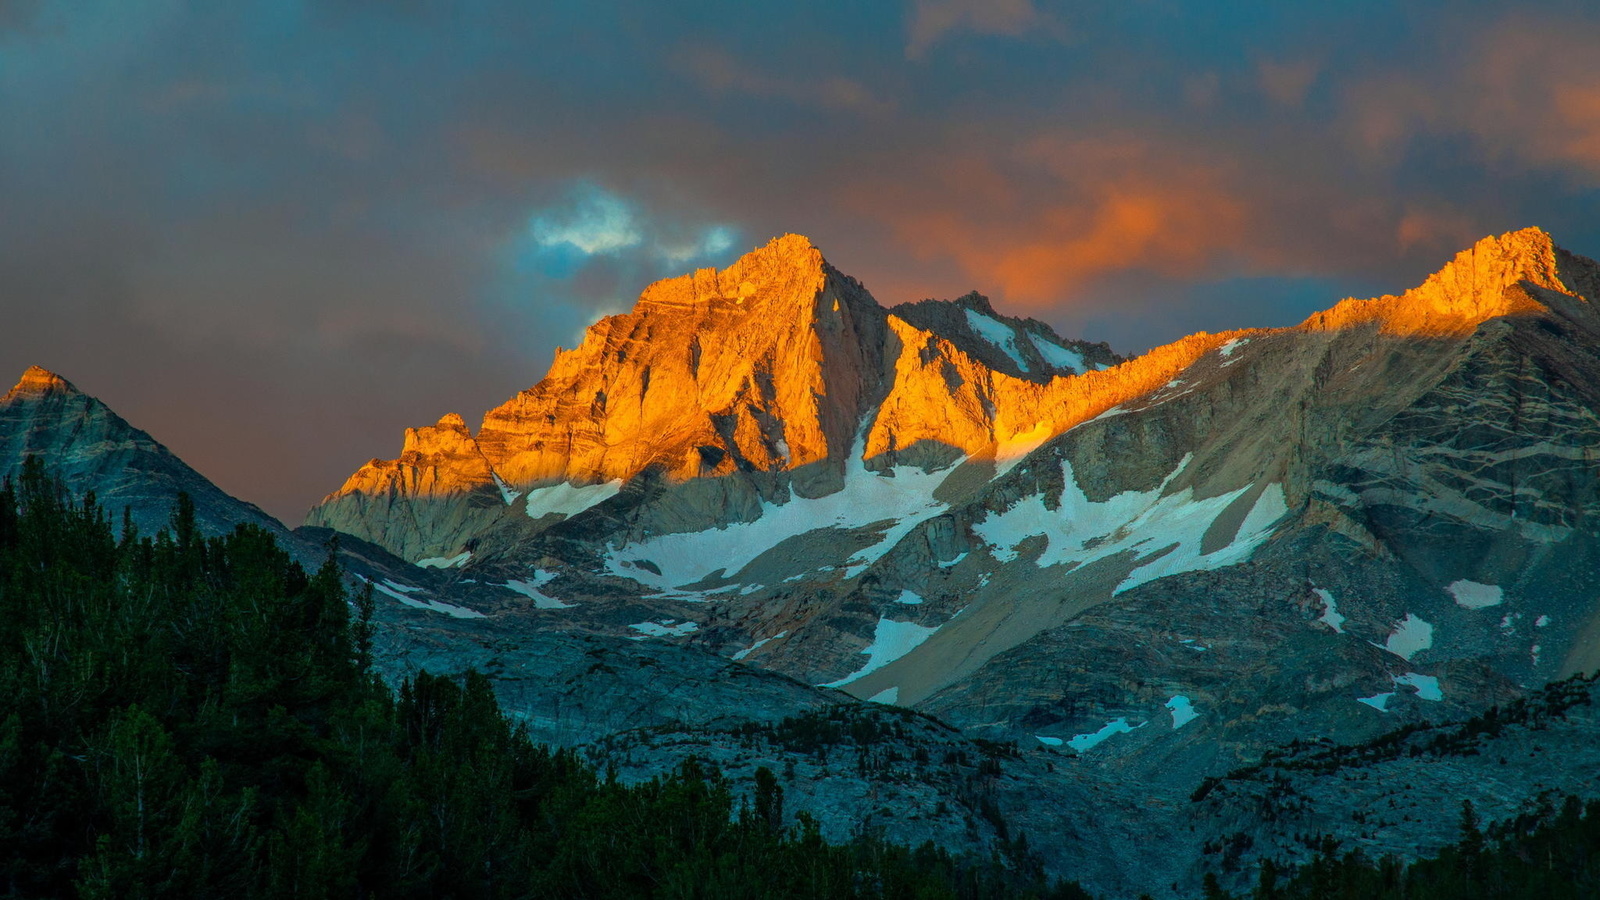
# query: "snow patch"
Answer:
x=908 y=598
x=1410 y=637
x=889 y=695
x=1330 y=611
x=1182 y=711
x=1541 y=622
x=531 y=590
x=1226 y=350
x=400 y=592
x=1012 y=450
x=1056 y=355
x=950 y=563
x=1379 y=702
x=903 y=497
x=890 y=641
x=1474 y=595
x=1427 y=686
x=1049 y=741
x=506 y=493
x=445 y=562
x=997 y=333
x=665 y=628
x=1083 y=742
x=1163 y=531
x=567 y=500
x=759 y=644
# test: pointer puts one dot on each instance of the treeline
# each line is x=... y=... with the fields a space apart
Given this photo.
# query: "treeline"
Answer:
x=183 y=716
x=1545 y=855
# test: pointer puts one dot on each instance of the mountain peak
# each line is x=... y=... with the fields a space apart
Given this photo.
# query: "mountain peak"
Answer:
x=39 y=382
x=1487 y=280
x=785 y=268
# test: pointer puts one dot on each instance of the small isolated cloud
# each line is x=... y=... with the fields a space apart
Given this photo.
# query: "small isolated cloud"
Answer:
x=932 y=20
x=592 y=222
x=591 y=252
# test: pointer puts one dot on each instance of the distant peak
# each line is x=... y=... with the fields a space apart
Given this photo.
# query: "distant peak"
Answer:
x=39 y=382
x=1482 y=282
x=976 y=302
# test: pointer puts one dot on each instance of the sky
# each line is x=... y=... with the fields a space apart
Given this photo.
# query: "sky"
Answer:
x=275 y=234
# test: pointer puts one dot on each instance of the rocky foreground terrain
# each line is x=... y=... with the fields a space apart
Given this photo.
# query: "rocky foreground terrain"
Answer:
x=958 y=578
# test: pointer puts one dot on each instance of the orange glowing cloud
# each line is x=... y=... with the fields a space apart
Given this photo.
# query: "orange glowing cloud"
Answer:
x=1063 y=212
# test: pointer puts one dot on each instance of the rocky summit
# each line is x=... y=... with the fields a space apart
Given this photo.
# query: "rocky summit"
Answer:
x=1217 y=591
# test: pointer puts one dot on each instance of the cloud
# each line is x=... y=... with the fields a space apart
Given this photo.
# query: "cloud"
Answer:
x=594 y=223
x=722 y=74
x=591 y=252
x=591 y=222
x=1524 y=90
x=931 y=21
x=1039 y=223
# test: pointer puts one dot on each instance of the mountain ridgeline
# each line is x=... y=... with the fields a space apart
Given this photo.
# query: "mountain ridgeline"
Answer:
x=770 y=366
x=1159 y=624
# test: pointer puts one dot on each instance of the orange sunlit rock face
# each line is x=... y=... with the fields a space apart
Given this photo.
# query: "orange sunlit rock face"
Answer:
x=1482 y=282
x=436 y=460
x=37 y=382
x=779 y=363
x=766 y=364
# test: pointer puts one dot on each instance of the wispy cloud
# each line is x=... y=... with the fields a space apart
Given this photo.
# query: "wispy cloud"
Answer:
x=1524 y=90
x=932 y=21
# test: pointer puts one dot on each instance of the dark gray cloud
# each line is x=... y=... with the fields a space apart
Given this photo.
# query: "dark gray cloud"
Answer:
x=274 y=234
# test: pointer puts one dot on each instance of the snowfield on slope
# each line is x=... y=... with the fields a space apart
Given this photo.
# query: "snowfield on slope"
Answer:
x=402 y=593
x=902 y=497
x=1058 y=356
x=1164 y=531
x=567 y=500
x=997 y=333
x=531 y=590
x=890 y=641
